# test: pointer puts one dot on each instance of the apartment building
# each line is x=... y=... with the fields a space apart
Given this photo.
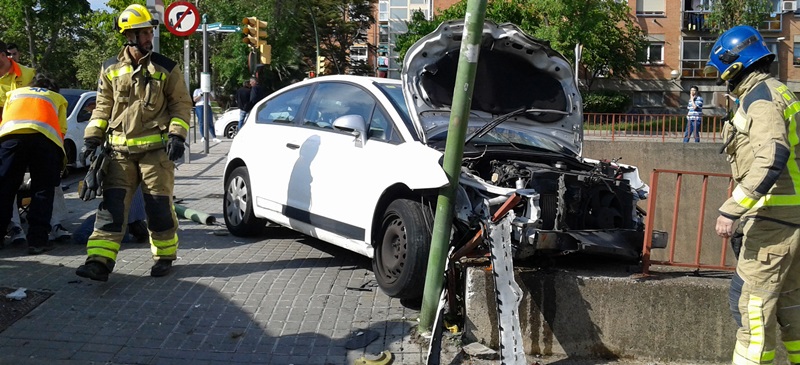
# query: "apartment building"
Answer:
x=680 y=42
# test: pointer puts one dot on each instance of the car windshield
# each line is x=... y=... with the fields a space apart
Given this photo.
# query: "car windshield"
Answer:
x=395 y=94
x=504 y=136
x=72 y=100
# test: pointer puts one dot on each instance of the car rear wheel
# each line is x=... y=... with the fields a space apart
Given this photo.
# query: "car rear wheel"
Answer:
x=231 y=129
x=238 y=205
x=401 y=252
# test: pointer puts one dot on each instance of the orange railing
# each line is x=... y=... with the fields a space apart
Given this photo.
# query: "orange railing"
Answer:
x=663 y=127
x=674 y=242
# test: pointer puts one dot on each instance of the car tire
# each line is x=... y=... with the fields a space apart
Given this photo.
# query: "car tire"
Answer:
x=401 y=252
x=71 y=153
x=231 y=129
x=238 y=205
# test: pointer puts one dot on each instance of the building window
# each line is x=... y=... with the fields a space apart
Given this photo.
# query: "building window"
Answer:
x=696 y=51
x=650 y=7
x=383 y=11
x=796 y=58
x=358 y=53
x=648 y=98
x=654 y=54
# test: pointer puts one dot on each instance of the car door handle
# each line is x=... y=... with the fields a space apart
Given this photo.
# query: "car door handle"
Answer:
x=293 y=146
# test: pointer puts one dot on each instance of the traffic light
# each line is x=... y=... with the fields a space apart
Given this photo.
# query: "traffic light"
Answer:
x=266 y=53
x=255 y=32
x=320 y=65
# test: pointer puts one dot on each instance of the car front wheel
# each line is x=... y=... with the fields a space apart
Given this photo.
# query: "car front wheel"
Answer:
x=231 y=129
x=401 y=251
x=238 y=205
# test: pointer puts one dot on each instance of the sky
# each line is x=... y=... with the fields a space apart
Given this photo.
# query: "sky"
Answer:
x=99 y=5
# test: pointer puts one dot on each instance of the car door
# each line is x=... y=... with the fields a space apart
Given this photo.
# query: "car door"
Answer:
x=335 y=182
x=270 y=143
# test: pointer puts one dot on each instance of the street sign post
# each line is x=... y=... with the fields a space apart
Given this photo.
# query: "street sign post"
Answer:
x=181 y=18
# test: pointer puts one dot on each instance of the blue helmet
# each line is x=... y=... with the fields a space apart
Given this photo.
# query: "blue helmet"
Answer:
x=735 y=50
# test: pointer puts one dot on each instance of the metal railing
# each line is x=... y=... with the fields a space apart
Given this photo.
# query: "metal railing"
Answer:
x=671 y=260
x=663 y=127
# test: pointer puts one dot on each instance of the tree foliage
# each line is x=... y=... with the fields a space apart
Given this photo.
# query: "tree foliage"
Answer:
x=730 y=13
x=610 y=36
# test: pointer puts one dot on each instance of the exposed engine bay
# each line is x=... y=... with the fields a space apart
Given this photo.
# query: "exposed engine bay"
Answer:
x=568 y=205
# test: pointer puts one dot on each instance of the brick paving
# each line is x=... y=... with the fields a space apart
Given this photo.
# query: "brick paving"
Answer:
x=281 y=298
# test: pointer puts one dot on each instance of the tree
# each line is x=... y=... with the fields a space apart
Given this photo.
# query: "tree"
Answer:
x=610 y=36
x=730 y=13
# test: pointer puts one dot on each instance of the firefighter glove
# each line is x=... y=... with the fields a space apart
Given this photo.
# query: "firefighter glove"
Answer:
x=89 y=146
x=175 y=147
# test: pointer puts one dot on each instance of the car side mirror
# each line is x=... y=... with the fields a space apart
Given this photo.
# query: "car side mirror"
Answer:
x=353 y=124
x=84 y=116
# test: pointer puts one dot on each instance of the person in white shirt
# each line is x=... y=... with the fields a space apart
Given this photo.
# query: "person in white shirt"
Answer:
x=198 y=112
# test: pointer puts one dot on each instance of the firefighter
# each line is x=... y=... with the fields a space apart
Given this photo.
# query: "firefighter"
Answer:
x=142 y=112
x=763 y=151
x=32 y=137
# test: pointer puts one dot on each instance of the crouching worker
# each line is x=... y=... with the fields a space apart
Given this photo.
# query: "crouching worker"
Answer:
x=142 y=109
x=32 y=138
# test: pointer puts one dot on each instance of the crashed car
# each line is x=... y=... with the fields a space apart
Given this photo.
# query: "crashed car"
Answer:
x=357 y=161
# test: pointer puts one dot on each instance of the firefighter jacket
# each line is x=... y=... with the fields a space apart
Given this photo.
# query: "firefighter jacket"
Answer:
x=764 y=151
x=18 y=76
x=140 y=104
x=31 y=110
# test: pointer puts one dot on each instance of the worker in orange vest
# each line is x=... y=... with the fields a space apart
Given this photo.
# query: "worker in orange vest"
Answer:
x=32 y=138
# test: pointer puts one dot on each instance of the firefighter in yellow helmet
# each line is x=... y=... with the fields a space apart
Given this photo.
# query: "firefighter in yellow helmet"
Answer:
x=763 y=152
x=142 y=112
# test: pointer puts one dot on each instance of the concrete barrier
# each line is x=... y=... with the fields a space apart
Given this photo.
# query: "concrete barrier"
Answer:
x=582 y=314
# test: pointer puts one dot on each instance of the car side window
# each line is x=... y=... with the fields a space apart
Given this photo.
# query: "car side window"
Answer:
x=332 y=100
x=85 y=112
x=381 y=129
x=282 y=108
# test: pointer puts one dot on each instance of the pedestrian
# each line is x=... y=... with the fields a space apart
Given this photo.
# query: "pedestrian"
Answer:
x=257 y=93
x=763 y=152
x=243 y=101
x=13 y=52
x=32 y=137
x=142 y=111
x=696 y=16
x=198 y=112
x=695 y=116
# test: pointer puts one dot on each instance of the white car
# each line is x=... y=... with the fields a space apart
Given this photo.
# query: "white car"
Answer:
x=226 y=125
x=357 y=161
x=79 y=110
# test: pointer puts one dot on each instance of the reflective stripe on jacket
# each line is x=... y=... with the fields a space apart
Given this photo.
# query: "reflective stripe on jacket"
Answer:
x=764 y=153
x=140 y=103
x=35 y=110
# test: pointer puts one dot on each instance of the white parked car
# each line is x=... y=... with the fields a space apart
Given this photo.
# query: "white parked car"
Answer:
x=79 y=110
x=357 y=161
x=226 y=125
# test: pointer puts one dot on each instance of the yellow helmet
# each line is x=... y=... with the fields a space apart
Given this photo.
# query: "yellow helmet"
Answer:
x=135 y=17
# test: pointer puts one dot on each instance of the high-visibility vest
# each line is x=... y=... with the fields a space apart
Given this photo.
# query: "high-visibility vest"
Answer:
x=35 y=110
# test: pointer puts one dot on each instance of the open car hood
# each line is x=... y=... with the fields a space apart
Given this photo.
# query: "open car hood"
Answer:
x=514 y=71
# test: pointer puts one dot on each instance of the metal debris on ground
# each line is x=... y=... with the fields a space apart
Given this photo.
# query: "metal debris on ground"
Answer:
x=480 y=351
x=361 y=338
x=507 y=291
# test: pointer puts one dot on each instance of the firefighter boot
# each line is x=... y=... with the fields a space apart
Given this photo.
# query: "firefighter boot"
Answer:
x=162 y=267
x=93 y=270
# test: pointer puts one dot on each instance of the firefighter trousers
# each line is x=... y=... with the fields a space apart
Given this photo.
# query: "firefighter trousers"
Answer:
x=765 y=292
x=156 y=174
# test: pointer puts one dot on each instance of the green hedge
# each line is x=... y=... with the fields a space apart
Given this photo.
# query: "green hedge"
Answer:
x=606 y=101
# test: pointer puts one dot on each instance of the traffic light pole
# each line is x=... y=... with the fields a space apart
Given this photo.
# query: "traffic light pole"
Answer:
x=316 y=36
x=205 y=87
x=453 y=153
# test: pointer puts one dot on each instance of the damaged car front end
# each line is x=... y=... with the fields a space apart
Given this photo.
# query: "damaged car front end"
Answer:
x=524 y=141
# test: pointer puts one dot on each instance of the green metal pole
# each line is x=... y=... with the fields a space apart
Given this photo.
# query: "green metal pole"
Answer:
x=453 y=153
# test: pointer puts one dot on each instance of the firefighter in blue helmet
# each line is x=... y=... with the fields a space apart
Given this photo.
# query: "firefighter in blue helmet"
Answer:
x=762 y=149
x=142 y=112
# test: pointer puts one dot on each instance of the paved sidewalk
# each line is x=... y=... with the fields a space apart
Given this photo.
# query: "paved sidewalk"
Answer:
x=282 y=298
